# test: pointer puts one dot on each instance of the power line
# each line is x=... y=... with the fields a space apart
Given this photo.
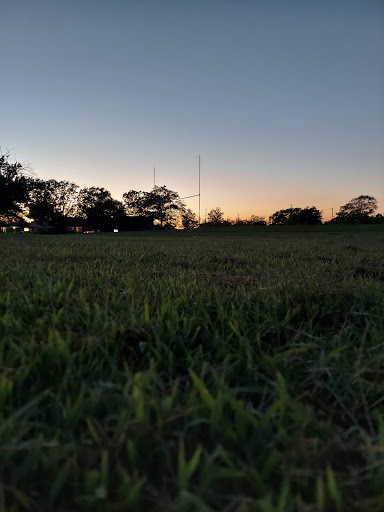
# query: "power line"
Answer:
x=187 y=197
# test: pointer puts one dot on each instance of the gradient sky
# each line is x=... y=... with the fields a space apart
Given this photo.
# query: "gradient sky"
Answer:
x=284 y=100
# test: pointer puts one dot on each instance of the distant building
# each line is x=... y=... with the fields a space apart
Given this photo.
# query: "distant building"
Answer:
x=11 y=229
x=74 y=229
x=43 y=228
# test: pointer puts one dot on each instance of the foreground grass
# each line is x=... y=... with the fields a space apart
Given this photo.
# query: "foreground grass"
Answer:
x=205 y=371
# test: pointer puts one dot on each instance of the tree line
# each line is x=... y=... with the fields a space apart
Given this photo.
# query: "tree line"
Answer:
x=61 y=204
x=359 y=210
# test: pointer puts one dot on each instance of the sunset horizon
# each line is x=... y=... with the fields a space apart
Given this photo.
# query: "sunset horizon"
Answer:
x=283 y=102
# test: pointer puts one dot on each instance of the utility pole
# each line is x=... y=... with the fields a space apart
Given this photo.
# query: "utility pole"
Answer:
x=195 y=195
x=205 y=216
x=199 y=190
x=154 y=177
x=332 y=213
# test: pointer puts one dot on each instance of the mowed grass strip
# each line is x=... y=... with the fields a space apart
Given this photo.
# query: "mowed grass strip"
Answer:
x=214 y=371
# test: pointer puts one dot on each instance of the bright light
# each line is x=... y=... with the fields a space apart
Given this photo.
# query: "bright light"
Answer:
x=26 y=229
x=115 y=230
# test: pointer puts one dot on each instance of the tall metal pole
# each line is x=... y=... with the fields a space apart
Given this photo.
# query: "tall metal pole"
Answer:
x=199 y=190
x=154 y=177
x=332 y=213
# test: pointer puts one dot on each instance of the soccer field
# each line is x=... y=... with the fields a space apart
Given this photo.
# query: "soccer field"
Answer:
x=221 y=369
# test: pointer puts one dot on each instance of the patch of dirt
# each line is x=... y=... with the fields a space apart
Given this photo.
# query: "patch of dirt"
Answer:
x=371 y=269
x=185 y=265
x=343 y=458
x=284 y=255
x=228 y=279
x=152 y=258
x=352 y=248
x=130 y=345
x=327 y=259
x=238 y=262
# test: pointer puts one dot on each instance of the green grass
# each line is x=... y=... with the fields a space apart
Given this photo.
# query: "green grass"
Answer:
x=214 y=370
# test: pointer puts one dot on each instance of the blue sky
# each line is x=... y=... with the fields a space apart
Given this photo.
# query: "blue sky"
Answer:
x=284 y=100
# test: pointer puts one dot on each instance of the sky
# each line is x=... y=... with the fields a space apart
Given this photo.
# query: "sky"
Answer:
x=283 y=100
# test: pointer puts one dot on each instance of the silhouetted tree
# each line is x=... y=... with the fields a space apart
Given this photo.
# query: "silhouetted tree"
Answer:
x=296 y=216
x=16 y=183
x=308 y=216
x=107 y=214
x=164 y=205
x=98 y=208
x=215 y=216
x=255 y=220
x=134 y=202
x=281 y=217
x=90 y=197
x=189 y=219
x=359 y=209
x=54 y=202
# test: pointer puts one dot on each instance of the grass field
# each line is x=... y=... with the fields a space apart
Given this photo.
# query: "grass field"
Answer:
x=219 y=370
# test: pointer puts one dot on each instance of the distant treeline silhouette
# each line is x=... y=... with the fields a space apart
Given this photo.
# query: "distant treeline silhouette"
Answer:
x=358 y=210
x=62 y=205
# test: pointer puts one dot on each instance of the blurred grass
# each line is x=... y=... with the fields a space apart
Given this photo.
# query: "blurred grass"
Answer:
x=213 y=370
